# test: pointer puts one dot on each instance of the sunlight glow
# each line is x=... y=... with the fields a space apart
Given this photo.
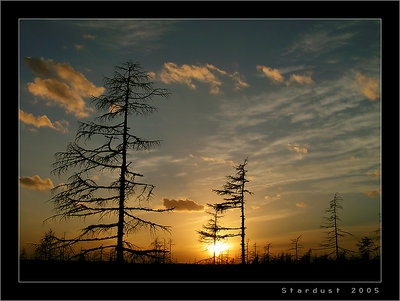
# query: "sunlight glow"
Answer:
x=219 y=248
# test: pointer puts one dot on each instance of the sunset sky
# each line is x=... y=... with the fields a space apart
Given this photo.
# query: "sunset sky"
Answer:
x=299 y=98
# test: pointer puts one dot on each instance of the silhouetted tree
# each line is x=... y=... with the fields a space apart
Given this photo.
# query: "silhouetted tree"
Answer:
x=128 y=93
x=267 y=254
x=366 y=247
x=296 y=246
x=332 y=222
x=210 y=234
x=234 y=191
x=48 y=247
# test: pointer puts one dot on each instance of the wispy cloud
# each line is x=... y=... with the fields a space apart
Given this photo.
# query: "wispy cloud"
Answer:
x=374 y=193
x=319 y=42
x=300 y=150
x=89 y=36
x=212 y=160
x=375 y=173
x=128 y=33
x=334 y=120
x=276 y=76
x=300 y=79
x=301 y=205
x=208 y=74
x=36 y=183
x=62 y=85
x=43 y=121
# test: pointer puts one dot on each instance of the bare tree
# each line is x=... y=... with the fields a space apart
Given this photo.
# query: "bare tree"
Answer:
x=234 y=191
x=210 y=234
x=296 y=246
x=267 y=253
x=128 y=93
x=332 y=221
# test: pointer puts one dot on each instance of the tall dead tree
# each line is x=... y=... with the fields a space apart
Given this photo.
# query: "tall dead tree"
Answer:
x=128 y=92
x=234 y=191
x=211 y=232
x=296 y=246
x=332 y=221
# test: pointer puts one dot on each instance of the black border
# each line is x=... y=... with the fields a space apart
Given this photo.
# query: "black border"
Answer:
x=11 y=11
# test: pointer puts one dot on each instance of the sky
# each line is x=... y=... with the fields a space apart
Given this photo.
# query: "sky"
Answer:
x=299 y=98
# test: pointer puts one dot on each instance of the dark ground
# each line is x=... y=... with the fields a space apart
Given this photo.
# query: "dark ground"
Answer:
x=31 y=270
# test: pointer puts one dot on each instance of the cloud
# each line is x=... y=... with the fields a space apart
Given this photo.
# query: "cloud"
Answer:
x=320 y=42
x=367 y=86
x=182 y=205
x=128 y=33
x=301 y=205
x=36 y=183
x=189 y=74
x=374 y=193
x=300 y=79
x=298 y=149
x=375 y=173
x=61 y=94
x=78 y=47
x=89 y=36
x=186 y=74
x=62 y=84
x=277 y=77
x=271 y=73
x=239 y=83
x=213 y=160
x=43 y=121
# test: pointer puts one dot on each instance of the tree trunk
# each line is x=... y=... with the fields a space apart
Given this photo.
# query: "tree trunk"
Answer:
x=121 y=211
x=242 y=207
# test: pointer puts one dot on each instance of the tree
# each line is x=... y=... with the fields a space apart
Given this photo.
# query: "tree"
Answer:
x=267 y=254
x=210 y=234
x=234 y=191
x=48 y=247
x=296 y=246
x=332 y=222
x=366 y=247
x=128 y=93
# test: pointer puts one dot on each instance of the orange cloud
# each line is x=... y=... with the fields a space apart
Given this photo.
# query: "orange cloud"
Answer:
x=89 y=36
x=187 y=74
x=214 y=160
x=271 y=73
x=375 y=173
x=43 y=121
x=182 y=205
x=298 y=149
x=61 y=94
x=367 y=86
x=239 y=83
x=36 y=183
x=373 y=194
x=301 y=205
x=62 y=85
x=78 y=47
x=300 y=79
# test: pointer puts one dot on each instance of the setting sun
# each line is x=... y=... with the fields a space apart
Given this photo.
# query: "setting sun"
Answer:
x=219 y=247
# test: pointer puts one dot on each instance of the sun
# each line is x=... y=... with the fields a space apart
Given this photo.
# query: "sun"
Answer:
x=218 y=248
